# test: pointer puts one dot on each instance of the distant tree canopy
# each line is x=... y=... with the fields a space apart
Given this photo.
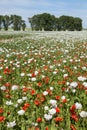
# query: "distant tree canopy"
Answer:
x=43 y=21
x=14 y=21
x=49 y=22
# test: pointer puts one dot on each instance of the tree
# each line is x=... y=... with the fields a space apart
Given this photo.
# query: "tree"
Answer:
x=57 y=24
x=6 y=22
x=23 y=25
x=18 y=23
x=78 y=24
x=1 y=17
x=66 y=23
x=49 y=22
x=70 y=23
x=35 y=22
x=43 y=21
x=16 y=20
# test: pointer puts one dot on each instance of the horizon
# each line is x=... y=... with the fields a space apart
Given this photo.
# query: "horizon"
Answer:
x=29 y=8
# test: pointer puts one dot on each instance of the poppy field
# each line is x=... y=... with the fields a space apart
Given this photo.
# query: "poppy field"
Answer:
x=43 y=81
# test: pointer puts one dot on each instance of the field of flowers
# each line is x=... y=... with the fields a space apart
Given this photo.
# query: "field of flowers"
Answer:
x=43 y=80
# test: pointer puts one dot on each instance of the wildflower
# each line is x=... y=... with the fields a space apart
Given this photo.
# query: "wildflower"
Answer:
x=14 y=87
x=84 y=68
x=85 y=84
x=33 y=79
x=36 y=72
x=0 y=77
x=3 y=88
x=11 y=124
x=51 y=88
x=45 y=93
x=36 y=102
x=83 y=114
x=16 y=105
x=73 y=84
x=52 y=111
x=25 y=107
x=74 y=116
x=65 y=75
x=33 y=75
x=24 y=98
x=42 y=99
x=39 y=119
x=22 y=74
x=2 y=118
x=47 y=117
x=54 y=72
x=32 y=92
x=73 y=90
x=78 y=105
x=73 y=108
x=81 y=78
x=7 y=84
x=46 y=80
x=21 y=112
x=75 y=67
x=9 y=103
x=46 y=128
x=46 y=108
x=58 y=119
x=1 y=110
x=63 y=97
x=57 y=110
x=19 y=101
x=72 y=127
x=53 y=102
x=39 y=84
x=64 y=100
x=25 y=89
x=57 y=97
x=64 y=61
x=7 y=70
x=67 y=83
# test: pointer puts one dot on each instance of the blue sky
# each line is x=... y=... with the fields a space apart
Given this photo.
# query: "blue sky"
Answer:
x=28 y=8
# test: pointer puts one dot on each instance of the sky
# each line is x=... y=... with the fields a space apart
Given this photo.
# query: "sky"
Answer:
x=28 y=8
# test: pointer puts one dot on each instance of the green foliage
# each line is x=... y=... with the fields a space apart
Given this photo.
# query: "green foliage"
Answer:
x=49 y=22
x=14 y=20
x=1 y=17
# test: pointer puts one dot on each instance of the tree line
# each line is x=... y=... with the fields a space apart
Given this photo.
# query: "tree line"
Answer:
x=44 y=21
x=49 y=22
x=14 y=21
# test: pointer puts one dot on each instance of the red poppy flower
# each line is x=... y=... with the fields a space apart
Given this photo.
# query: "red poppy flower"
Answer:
x=57 y=97
x=39 y=84
x=46 y=128
x=25 y=107
x=72 y=109
x=7 y=84
x=64 y=100
x=57 y=110
x=75 y=117
x=36 y=102
x=25 y=89
x=32 y=92
x=7 y=71
x=1 y=110
x=26 y=104
x=39 y=119
x=33 y=75
x=2 y=118
x=72 y=127
x=58 y=119
x=42 y=99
